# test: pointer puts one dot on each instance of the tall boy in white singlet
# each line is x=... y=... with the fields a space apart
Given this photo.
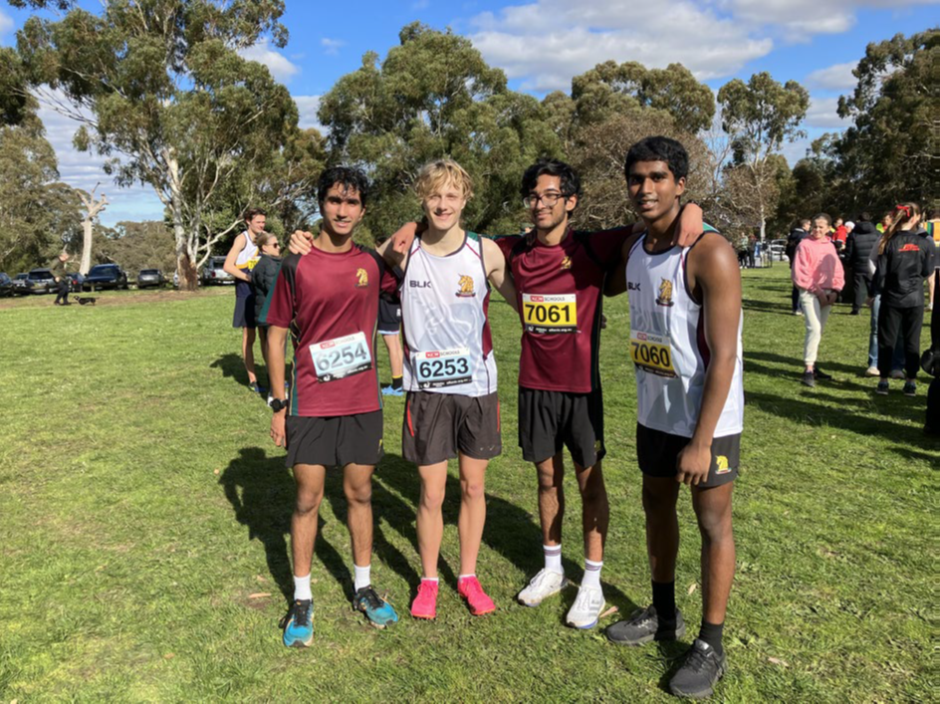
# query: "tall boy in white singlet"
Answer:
x=685 y=342
x=451 y=409
x=239 y=262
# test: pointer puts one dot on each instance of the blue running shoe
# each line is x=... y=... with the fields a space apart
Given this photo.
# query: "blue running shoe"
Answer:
x=379 y=612
x=298 y=627
x=392 y=391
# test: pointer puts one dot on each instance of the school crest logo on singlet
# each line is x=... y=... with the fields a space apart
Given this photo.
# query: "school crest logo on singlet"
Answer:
x=665 y=293
x=566 y=263
x=465 y=287
x=362 y=278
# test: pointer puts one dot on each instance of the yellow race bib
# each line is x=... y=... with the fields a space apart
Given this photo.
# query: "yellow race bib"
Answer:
x=652 y=353
x=550 y=313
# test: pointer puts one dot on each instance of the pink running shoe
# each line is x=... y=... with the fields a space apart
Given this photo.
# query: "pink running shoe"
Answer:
x=469 y=588
x=425 y=603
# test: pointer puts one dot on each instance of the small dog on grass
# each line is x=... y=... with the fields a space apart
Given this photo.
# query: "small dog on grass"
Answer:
x=85 y=300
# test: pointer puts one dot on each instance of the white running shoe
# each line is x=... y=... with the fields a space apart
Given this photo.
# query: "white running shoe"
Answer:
x=543 y=585
x=586 y=610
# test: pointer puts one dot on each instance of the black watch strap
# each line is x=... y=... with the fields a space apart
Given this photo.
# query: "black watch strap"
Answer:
x=278 y=405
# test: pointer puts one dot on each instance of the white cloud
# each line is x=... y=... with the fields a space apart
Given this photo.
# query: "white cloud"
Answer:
x=84 y=170
x=837 y=77
x=279 y=65
x=331 y=46
x=801 y=19
x=307 y=106
x=6 y=23
x=547 y=42
x=823 y=114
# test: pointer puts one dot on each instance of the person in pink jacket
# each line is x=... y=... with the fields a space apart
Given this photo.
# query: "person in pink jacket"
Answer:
x=817 y=273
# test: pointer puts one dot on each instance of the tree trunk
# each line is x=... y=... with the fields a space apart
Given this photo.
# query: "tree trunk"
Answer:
x=86 y=248
x=185 y=256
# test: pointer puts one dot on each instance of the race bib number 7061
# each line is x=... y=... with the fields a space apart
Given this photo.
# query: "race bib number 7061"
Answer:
x=550 y=313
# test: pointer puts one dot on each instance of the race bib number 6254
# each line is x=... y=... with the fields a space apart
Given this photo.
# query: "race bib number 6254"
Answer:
x=341 y=357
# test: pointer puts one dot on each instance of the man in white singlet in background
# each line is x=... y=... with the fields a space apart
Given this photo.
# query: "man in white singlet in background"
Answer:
x=685 y=341
x=239 y=262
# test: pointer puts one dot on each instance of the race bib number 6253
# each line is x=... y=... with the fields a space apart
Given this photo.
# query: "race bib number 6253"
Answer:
x=436 y=369
x=341 y=357
x=652 y=353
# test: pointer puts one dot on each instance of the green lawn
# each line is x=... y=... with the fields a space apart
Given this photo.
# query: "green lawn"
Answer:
x=143 y=510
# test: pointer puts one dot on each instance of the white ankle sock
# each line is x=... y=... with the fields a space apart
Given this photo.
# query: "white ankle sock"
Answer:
x=553 y=558
x=592 y=574
x=363 y=576
x=302 y=588
x=429 y=579
x=464 y=576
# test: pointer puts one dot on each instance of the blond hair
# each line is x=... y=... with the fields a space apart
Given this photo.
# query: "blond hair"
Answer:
x=264 y=239
x=435 y=175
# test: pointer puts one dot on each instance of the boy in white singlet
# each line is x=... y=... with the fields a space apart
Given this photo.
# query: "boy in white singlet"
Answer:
x=239 y=262
x=685 y=342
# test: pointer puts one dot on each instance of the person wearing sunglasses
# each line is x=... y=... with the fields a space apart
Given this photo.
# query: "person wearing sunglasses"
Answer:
x=263 y=276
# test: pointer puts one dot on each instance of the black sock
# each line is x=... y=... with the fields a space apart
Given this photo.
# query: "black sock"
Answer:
x=711 y=634
x=664 y=599
x=397 y=382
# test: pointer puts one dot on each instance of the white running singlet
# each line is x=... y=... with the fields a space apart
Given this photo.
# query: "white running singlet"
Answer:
x=249 y=256
x=444 y=302
x=668 y=347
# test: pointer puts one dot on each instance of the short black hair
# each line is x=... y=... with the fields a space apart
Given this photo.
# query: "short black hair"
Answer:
x=823 y=216
x=570 y=182
x=659 y=149
x=347 y=177
x=865 y=216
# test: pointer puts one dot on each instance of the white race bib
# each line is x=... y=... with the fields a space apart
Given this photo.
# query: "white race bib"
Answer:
x=341 y=357
x=435 y=369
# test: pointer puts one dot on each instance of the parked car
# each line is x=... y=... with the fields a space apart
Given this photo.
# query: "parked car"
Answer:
x=778 y=250
x=19 y=284
x=40 y=281
x=6 y=285
x=213 y=273
x=150 y=277
x=105 y=276
x=77 y=281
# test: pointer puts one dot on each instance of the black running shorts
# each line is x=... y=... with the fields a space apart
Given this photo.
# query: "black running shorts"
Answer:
x=549 y=420
x=335 y=441
x=658 y=454
x=438 y=426
x=389 y=317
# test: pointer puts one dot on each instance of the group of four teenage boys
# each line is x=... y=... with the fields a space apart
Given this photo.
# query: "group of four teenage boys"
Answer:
x=683 y=284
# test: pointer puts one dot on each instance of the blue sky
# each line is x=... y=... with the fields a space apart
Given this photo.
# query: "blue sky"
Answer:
x=542 y=44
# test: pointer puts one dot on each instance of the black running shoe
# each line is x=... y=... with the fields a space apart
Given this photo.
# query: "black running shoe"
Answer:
x=821 y=375
x=808 y=379
x=644 y=626
x=700 y=672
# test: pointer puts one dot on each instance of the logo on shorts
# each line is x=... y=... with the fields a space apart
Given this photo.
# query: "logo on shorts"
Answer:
x=362 y=278
x=465 y=289
x=665 y=293
x=722 y=463
x=566 y=263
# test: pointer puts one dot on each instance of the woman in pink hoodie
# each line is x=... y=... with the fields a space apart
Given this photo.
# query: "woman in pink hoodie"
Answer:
x=817 y=273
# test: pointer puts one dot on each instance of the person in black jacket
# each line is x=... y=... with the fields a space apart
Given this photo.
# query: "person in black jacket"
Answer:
x=857 y=250
x=904 y=261
x=263 y=276
x=797 y=235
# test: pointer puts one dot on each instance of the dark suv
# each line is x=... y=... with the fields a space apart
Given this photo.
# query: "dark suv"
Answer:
x=6 y=285
x=19 y=284
x=40 y=281
x=105 y=276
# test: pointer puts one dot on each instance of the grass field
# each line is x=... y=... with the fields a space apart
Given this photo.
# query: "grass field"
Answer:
x=144 y=518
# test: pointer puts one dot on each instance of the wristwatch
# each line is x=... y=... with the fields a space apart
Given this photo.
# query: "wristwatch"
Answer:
x=278 y=405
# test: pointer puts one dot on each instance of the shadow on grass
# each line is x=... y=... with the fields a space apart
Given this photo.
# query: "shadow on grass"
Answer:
x=509 y=531
x=265 y=505
x=767 y=306
x=233 y=367
x=838 y=416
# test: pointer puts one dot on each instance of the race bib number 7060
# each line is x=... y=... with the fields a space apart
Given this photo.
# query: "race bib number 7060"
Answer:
x=341 y=357
x=652 y=353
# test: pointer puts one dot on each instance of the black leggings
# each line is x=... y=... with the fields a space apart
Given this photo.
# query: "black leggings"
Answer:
x=907 y=322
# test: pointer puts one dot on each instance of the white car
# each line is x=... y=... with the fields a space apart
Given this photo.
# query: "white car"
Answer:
x=213 y=273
